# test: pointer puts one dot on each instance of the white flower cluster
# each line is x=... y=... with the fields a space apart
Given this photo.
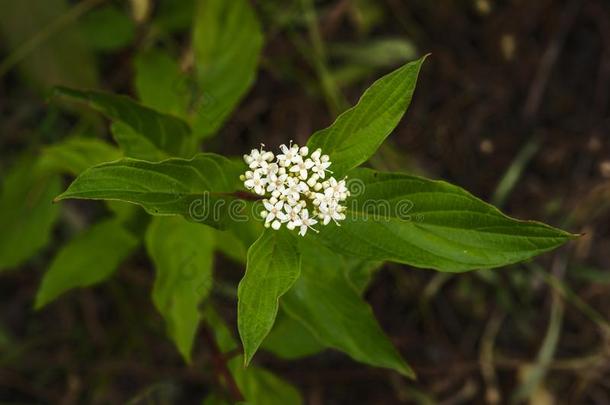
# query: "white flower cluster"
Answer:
x=295 y=183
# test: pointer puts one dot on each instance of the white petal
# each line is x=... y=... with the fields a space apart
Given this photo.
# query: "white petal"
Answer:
x=276 y=225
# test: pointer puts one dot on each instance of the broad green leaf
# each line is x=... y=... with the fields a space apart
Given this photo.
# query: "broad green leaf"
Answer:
x=290 y=339
x=160 y=83
x=88 y=259
x=107 y=28
x=433 y=224
x=227 y=40
x=325 y=302
x=135 y=145
x=359 y=131
x=167 y=133
x=257 y=385
x=198 y=189
x=182 y=253
x=27 y=214
x=76 y=154
x=273 y=267
x=61 y=58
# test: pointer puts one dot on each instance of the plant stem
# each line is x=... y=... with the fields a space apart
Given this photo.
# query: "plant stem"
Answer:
x=222 y=372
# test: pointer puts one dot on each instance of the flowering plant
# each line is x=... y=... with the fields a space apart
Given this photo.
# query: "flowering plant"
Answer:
x=309 y=223
x=387 y=216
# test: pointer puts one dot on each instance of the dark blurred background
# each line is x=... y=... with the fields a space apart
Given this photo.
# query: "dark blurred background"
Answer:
x=512 y=105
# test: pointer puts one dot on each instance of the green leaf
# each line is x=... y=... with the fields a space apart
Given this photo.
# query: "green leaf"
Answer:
x=160 y=83
x=198 y=189
x=167 y=133
x=107 y=28
x=329 y=306
x=273 y=267
x=27 y=214
x=432 y=224
x=290 y=339
x=257 y=385
x=358 y=132
x=76 y=154
x=88 y=259
x=182 y=253
x=135 y=145
x=227 y=40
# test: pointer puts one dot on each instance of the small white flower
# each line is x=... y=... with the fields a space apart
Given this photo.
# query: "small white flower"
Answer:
x=272 y=169
x=256 y=183
x=289 y=155
x=336 y=189
x=292 y=190
x=274 y=211
x=328 y=212
x=303 y=187
x=320 y=163
x=277 y=183
x=322 y=199
x=304 y=222
x=258 y=158
x=302 y=167
x=292 y=215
